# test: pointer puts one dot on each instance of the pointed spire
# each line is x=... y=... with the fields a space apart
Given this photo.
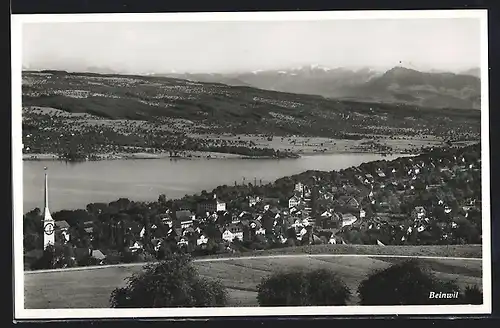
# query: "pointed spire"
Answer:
x=47 y=216
x=46 y=190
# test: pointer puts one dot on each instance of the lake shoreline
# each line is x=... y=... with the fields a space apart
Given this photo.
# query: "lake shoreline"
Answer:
x=199 y=155
x=75 y=184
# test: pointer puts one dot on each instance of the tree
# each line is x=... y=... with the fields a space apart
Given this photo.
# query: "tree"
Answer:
x=173 y=282
x=162 y=199
x=472 y=295
x=303 y=288
x=466 y=231
x=406 y=283
x=56 y=256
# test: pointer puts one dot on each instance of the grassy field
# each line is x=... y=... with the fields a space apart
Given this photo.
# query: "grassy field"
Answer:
x=92 y=288
x=473 y=251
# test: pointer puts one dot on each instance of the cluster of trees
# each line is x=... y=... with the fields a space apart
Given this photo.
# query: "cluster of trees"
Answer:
x=174 y=282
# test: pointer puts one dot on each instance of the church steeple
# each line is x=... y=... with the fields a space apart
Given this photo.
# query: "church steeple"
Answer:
x=46 y=191
x=48 y=221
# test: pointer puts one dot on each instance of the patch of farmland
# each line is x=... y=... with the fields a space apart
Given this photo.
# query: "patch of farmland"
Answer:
x=91 y=287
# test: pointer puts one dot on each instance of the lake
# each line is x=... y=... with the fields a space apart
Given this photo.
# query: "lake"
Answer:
x=74 y=185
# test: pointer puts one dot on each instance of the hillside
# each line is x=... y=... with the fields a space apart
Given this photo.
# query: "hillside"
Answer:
x=166 y=114
x=222 y=107
x=476 y=71
x=423 y=89
x=398 y=85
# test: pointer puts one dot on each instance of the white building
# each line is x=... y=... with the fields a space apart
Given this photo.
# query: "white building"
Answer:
x=299 y=187
x=186 y=224
x=348 y=219
x=252 y=201
x=182 y=242
x=221 y=206
x=293 y=202
x=202 y=240
x=227 y=235
x=135 y=247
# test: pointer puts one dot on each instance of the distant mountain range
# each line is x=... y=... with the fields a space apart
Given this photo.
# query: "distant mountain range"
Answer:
x=397 y=85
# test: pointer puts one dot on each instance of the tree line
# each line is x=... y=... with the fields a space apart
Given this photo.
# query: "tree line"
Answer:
x=175 y=282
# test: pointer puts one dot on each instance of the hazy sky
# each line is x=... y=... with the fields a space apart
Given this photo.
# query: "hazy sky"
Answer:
x=444 y=44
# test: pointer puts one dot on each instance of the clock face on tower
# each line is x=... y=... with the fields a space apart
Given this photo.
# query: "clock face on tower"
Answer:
x=49 y=228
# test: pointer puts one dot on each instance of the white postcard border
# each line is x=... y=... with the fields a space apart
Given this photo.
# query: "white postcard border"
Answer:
x=16 y=50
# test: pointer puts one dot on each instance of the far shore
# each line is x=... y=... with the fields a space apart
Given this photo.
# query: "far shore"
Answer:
x=313 y=147
x=197 y=155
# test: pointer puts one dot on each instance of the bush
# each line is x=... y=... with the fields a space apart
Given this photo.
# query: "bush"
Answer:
x=406 y=283
x=174 y=282
x=55 y=256
x=303 y=288
x=472 y=295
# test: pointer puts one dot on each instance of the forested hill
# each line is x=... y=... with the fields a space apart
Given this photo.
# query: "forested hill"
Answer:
x=213 y=107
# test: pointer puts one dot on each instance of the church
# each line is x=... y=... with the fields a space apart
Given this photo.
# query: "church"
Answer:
x=50 y=226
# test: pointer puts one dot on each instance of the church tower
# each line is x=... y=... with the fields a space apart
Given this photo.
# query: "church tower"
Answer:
x=48 y=221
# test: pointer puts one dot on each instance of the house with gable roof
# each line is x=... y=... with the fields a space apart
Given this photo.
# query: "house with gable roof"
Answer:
x=211 y=205
x=252 y=201
x=62 y=227
x=293 y=201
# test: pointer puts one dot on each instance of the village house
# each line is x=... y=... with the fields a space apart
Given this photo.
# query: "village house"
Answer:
x=167 y=220
x=236 y=219
x=202 y=240
x=88 y=227
x=334 y=221
x=299 y=187
x=233 y=231
x=348 y=219
x=183 y=242
x=63 y=227
x=326 y=214
x=212 y=205
x=174 y=234
x=188 y=232
x=156 y=242
x=255 y=225
x=301 y=233
x=352 y=203
x=186 y=223
x=98 y=255
x=252 y=201
x=184 y=218
x=418 y=213
x=227 y=235
x=332 y=239
x=135 y=247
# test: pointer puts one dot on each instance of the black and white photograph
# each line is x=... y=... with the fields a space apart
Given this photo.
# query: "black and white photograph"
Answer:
x=251 y=164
